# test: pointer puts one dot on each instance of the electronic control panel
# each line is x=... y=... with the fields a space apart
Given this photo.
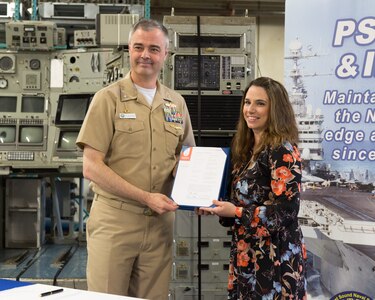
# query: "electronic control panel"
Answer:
x=44 y=97
x=113 y=29
x=116 y=67
x=7 y=9
x=85 y=38
x=219 y=74
x=218 y=58
x=215 y=34
x=33 y=35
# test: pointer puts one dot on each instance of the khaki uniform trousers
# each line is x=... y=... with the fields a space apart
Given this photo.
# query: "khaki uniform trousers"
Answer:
x=129 y=250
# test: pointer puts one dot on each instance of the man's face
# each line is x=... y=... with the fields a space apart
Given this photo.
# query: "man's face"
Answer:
x=147 y=50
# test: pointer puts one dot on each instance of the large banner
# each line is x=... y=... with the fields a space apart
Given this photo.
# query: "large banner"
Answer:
x=330 y=77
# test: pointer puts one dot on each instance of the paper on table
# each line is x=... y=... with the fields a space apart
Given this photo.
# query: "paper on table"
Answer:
x=199 y=176
x=33 y=291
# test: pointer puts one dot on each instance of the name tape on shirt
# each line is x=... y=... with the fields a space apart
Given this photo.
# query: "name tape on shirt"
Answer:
x=127 y=116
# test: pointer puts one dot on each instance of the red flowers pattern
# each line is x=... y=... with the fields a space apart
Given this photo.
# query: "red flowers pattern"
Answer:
x=267 y=257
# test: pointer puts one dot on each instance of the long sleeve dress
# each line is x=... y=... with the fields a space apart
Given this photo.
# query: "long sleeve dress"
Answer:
x=267 y=256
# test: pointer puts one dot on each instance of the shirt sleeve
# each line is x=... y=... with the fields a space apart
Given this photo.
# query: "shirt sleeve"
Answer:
x=98 y=126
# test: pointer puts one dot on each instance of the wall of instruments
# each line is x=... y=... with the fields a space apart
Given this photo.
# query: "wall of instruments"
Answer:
x=211 y=61
x=49 y=72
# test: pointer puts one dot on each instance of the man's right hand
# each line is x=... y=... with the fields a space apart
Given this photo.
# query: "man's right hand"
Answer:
x=160 y=203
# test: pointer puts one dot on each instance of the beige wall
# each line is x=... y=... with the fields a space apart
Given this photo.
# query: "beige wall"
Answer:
x=270 y=47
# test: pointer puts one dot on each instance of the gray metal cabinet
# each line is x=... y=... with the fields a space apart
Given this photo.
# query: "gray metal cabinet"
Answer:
x=24 y=212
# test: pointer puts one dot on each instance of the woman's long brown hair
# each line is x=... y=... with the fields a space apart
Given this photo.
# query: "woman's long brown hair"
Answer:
x=281 y=125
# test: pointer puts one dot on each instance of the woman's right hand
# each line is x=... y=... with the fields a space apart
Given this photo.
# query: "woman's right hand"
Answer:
x=202 y=211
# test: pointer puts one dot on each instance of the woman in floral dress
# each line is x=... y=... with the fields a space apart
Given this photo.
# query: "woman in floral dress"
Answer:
x=267 y=256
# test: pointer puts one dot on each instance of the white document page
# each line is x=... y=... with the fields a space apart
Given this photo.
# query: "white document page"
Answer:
x=199 y=176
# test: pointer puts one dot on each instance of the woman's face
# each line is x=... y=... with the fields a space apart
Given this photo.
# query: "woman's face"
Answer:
x=256 y=109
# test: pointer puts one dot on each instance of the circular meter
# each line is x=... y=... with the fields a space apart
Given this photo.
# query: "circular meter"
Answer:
x=3 y=83
x=35 y=64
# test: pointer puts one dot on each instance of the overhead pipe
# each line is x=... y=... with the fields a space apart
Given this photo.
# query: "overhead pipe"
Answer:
x=16 y=15
x=147 y=9
x=34 y=6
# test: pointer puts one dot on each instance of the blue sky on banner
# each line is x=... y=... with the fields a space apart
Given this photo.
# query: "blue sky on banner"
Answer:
x=338 y=39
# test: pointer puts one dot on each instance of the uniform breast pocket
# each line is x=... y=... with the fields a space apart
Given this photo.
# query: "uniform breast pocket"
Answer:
x=173 y=132
x=129 y=136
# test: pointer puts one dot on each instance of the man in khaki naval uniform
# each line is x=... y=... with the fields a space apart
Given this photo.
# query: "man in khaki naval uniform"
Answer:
x=132 y=136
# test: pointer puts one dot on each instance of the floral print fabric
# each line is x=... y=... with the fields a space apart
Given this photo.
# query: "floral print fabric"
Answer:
x=267 y=257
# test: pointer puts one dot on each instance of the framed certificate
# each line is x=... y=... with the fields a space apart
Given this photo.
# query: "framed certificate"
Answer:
x=200 y=177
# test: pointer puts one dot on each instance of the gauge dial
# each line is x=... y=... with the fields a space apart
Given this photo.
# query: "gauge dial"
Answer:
x=35 y=64
x=3 y=83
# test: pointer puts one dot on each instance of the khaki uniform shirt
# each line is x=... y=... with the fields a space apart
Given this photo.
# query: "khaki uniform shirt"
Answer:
x=140 y=143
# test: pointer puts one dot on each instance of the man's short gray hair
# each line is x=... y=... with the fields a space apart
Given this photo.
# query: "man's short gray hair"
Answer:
x=148 y=25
